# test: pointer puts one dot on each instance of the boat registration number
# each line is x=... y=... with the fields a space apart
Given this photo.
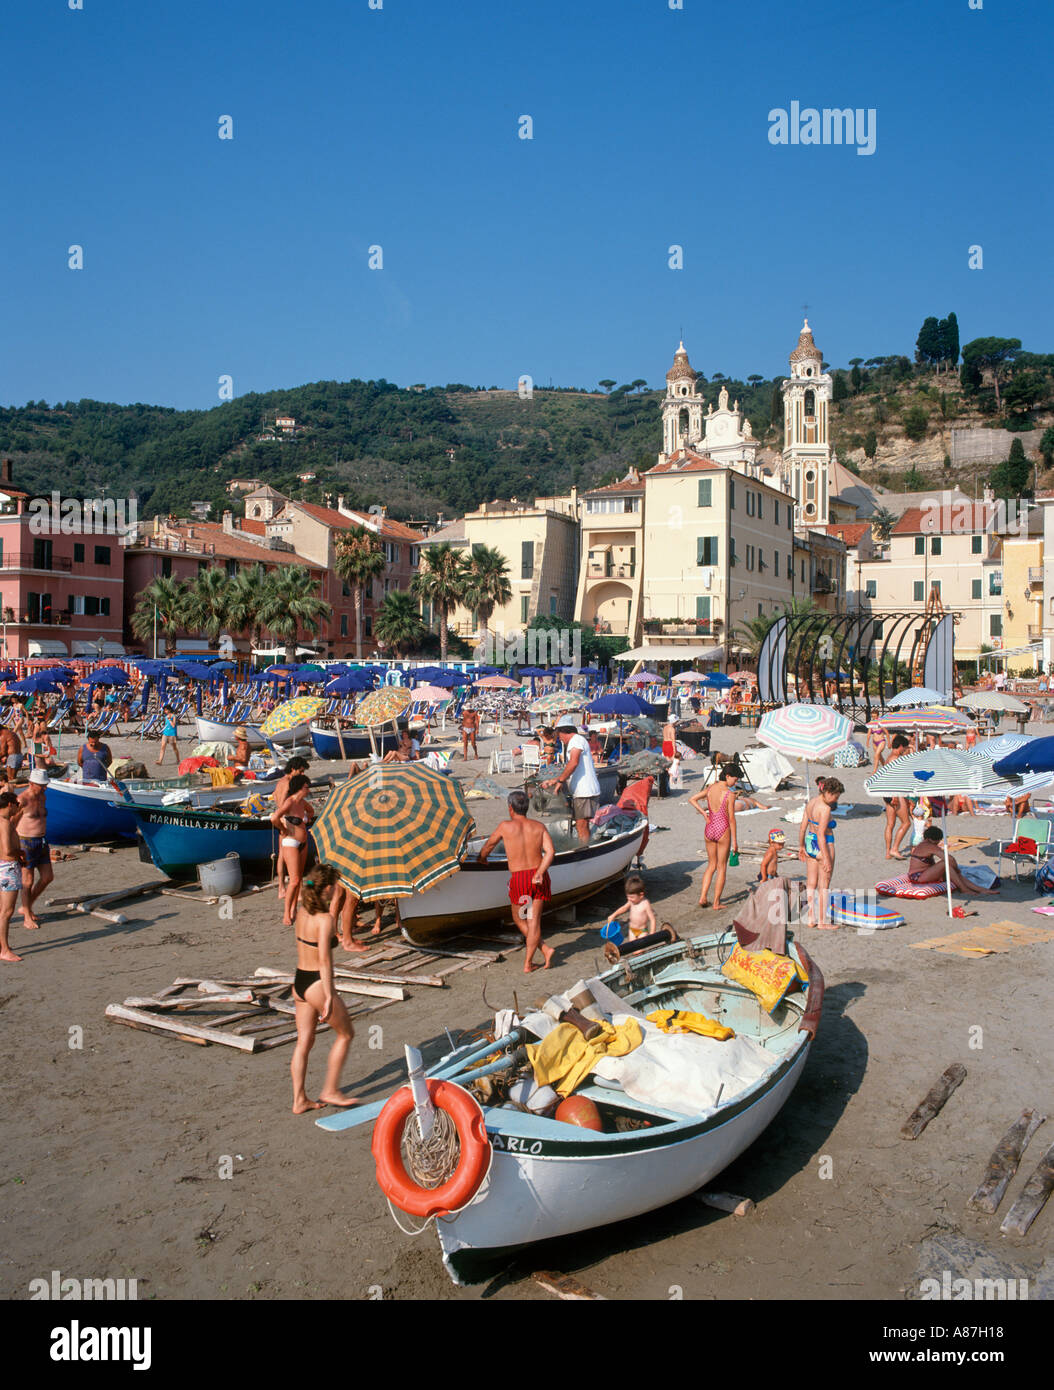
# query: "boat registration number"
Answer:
x=508 y=1143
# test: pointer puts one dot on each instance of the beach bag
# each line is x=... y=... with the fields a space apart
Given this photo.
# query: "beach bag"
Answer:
x=1045 y=877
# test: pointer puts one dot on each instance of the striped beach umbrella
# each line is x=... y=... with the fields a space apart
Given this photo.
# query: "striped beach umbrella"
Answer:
x=992 y=699
x=557 y=702
x=290 y=713
x=992 y=749
x=431 y=694
x=927 y=721
x=496 y=683
x=805 y=731
x=381 y=705
x=393 y=830
x=917 y=695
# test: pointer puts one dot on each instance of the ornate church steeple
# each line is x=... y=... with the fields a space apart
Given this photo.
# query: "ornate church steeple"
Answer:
x=806 y=441
x=682 y=410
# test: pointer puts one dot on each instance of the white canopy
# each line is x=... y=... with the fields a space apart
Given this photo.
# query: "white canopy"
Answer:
x=672 y=653
x=46 y=646
x=92 y=649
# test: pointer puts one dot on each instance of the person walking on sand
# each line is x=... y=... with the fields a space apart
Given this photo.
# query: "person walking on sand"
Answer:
x=529 y=852
x=816 y=850
x=10 y=871
x=898 y=813
x=717 y=803
x=293 y=817
x=11 y=751
x=315 y=996
x=33 y=833
x=169 y=734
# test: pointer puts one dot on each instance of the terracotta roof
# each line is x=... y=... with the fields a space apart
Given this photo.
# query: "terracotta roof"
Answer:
x=232 y=548
x=326 y=515
x=849 y=531
x=396 y=531
x=964 y=517
x=258 y=528
x=685 y=461
x=623 y=486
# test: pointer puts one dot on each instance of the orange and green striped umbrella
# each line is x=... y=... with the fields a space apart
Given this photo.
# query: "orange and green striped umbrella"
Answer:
x=381 y=705
x=393 y=830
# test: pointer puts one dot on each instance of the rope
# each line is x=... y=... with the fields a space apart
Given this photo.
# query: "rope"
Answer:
x=430 y=1162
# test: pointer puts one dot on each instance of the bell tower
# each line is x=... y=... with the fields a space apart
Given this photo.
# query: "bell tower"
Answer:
x=682 y=410
x=806 y=441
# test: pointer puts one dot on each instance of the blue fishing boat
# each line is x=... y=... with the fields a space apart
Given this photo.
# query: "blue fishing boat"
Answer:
x=179 y=838
x=82 y=813
x=326 y=742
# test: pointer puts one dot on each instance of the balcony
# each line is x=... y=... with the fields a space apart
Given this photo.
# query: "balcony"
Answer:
x=26 y=562
x=822 y=584
x=1035 y=575
x=1035 y=632
x=674 y=629
x=611 y=571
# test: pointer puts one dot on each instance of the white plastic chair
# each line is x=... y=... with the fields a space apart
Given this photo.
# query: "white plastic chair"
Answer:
x=532 y=758
x=501 y=761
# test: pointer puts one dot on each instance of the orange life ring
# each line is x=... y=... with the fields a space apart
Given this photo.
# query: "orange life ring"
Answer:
x=472 y=1167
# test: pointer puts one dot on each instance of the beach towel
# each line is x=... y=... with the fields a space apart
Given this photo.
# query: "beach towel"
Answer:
x=761 y=923
x=902 y=887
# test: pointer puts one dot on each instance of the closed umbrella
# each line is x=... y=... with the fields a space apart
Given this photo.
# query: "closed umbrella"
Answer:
x=393 y=830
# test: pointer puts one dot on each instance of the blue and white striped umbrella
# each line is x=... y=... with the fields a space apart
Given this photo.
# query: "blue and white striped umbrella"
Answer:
x=917 y=695
x=992 y=749
x=805 y=731
x=948 y=772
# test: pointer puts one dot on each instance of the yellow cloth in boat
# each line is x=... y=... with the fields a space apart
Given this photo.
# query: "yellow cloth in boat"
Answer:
x=684 y=1021
x=764 y=973
x=254 y=805
x=563 y=1059
x=222 y=776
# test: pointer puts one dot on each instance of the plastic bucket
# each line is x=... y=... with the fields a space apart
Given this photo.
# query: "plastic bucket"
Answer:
x=612 y=931
x=221 y=877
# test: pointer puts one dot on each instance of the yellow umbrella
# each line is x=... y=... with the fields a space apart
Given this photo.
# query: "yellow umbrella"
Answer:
x=290 y=713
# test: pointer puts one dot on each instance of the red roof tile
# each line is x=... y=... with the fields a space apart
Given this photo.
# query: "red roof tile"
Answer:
x=952 y=516
x=232 y=547
x=684 y=461
x=622 y=486
x=849 y=531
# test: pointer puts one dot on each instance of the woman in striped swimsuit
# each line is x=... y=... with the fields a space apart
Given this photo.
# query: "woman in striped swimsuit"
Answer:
x=718 y=804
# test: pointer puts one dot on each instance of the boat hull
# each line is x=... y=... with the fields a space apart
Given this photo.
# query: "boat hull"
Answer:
x=209 y=731
x=84 y=812
x=478 y=893
x=356 y=742
x=569 y=1186
x=179 y=839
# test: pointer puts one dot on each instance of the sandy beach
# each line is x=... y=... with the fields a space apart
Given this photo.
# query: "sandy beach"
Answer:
x=113 y=1151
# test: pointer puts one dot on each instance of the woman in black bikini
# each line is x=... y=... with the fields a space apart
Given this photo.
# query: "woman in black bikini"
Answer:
x=314 y=995
x=293 y=817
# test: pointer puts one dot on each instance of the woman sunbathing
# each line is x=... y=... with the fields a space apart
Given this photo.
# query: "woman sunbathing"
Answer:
x=926 y=864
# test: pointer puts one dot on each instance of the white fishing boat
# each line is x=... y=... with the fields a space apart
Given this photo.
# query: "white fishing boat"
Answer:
x=478 y=893
x=670 y=1123
x=211 y=731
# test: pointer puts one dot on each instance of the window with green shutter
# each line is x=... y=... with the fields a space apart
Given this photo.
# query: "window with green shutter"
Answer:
x=702 y=607
x=976 y=545
x=732 y=493
x=919 y=591
x=706 y=550
x=706 y=492
x=975 y=588
x=527 y=559
x=920 y=545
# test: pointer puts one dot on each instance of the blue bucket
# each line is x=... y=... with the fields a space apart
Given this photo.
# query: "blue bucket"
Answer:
x=612 y=931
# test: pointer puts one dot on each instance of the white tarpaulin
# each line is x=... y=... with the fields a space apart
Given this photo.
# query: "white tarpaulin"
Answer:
x=765 y=767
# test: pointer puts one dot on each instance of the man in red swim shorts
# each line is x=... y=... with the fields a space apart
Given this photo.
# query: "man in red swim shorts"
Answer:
x=529 y=851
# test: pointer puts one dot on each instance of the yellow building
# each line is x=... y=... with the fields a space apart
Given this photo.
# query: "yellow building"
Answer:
x=1023 y=602
x=611 y=570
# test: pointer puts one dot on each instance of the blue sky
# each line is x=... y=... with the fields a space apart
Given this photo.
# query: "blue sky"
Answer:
x=399 y=127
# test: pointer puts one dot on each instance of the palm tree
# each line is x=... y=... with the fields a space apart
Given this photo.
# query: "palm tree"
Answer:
x=754 y=631
x=164 y=601
x=290 y=602
x=486 y=587
x=440 y=582
x=399 y=625
x=359 y=559
x=208 y=604
x=882 y=523
x=244 y=601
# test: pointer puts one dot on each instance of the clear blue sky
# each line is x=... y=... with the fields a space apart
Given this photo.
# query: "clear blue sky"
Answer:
x=505 y=256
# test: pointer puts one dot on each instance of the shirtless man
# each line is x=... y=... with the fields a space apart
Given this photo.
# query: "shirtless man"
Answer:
x=10 y=870
x=33 y=831
x=11 y=751
x=529 y=851
x=897 y=806
x=469 y=730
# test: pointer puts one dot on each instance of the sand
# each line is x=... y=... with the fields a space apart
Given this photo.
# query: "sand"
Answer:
x=113 y=1151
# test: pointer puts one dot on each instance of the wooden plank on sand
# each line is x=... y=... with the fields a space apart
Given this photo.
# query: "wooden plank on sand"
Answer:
x=160 y=1032
x=563 y=1286
x=1033 y=1197
x=934 y=1101
x=193 y=1030
x=378 y=991
x=1004 y=1163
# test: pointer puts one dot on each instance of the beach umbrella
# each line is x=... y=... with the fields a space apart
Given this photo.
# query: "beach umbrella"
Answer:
x=290 y=713
x=994 y=749
x=929 y=721
x=642 y=678
x=743 y=675
x=349 y=683
x=10 y=675
x=496 y=683
x=690 y=677
x=556 y=702
x=917 y=695
x=432 y=693
x=1035 y=756
x=805 y=731
x=381 y=705
x=992 y=699
x=313 y=675
x=34 y=685
x=621 y=702
x=393 y=830
x=107 y=675
x=718 y=681
x=945 y=772
x=532 y=671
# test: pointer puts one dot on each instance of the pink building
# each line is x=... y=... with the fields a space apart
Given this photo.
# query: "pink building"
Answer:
x=61 y=574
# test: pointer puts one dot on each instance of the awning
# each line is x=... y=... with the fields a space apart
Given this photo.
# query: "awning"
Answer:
x=92 y=649
x=671 y=653
x=46 y=646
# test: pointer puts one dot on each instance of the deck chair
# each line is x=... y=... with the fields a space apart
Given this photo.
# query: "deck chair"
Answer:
x=501 y=760
x=532 y=758
x=1028 y=828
